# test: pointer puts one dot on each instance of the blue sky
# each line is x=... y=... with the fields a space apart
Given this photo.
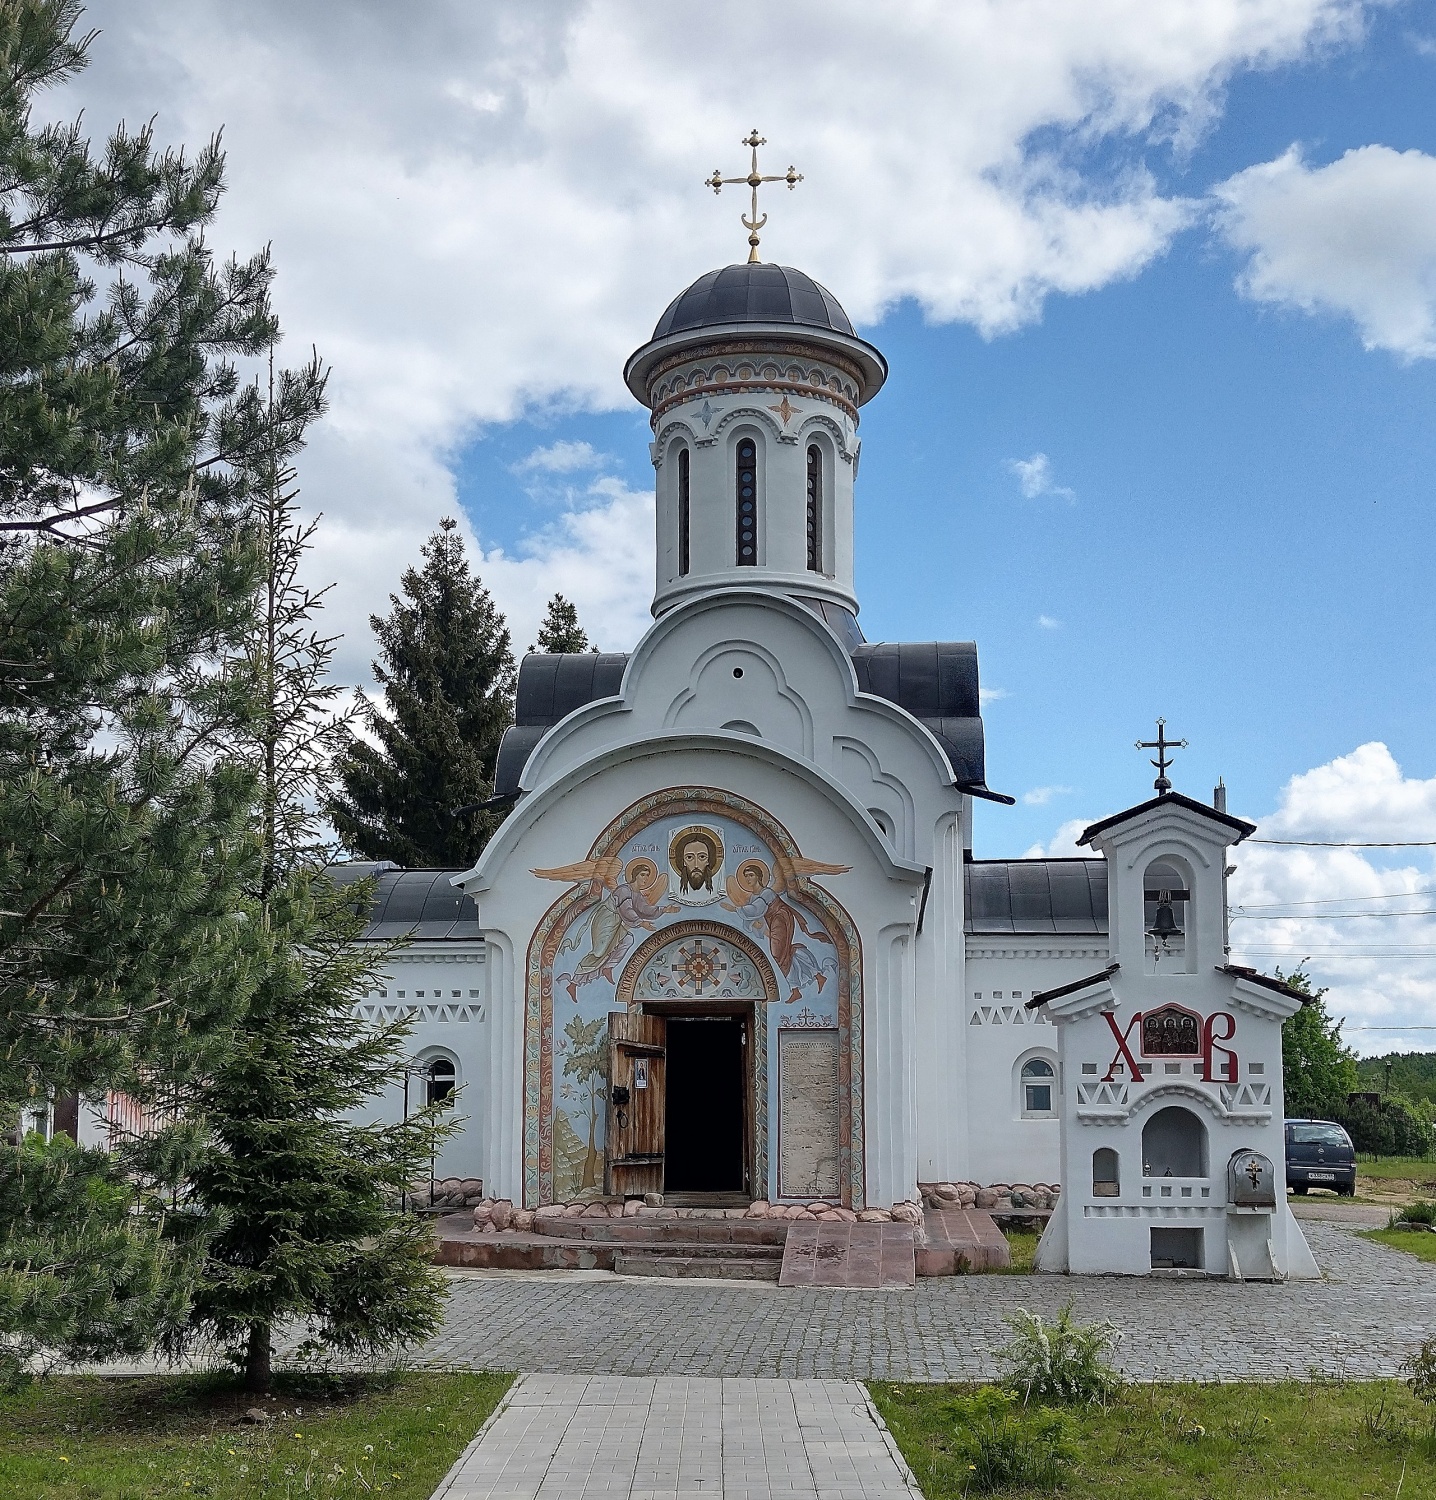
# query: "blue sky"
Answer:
x=1156 y=280
x=1246 y=545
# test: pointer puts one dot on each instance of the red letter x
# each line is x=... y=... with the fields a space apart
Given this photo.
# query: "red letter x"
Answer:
x=1123 y=1050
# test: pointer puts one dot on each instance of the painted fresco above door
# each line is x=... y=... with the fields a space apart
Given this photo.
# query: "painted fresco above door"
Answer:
x=691 y=895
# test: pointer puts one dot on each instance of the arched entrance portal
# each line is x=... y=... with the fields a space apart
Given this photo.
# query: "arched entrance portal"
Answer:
x=679 y=857
x=683 y=1050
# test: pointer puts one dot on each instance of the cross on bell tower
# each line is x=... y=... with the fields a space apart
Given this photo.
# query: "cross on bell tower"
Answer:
x=751 y=222
x=1161 y=745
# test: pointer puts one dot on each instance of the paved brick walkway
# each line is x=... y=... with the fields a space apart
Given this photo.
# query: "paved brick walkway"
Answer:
x=569 y=1437
x=1374 y=1307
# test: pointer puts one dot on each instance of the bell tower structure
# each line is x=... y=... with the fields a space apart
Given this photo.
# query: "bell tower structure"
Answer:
x=754 y=378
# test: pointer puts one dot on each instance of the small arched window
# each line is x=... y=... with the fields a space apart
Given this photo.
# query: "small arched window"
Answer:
x=683 y=513
x=1106 y=1177
x=815 y=509
x=1038 y=1079
x=746 y=486
x=439 y=1081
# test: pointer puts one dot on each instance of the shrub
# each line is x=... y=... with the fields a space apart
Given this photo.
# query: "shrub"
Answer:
x=1061 y=1362
x=1386 y=1129
x=1007 y=1448
x=1421 y=1373
x=1420 y=1215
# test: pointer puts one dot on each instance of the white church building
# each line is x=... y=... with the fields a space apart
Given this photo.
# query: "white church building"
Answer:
x=732 y=941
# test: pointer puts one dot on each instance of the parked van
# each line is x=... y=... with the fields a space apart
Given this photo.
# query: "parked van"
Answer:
x=1319 y=1154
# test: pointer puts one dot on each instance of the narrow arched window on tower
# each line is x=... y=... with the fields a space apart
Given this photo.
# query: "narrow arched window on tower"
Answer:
x=815 y=509
x=440 y=1078
x=746 y=485
x=683 y=522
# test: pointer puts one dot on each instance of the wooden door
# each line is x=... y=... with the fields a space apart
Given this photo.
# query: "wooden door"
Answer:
x=637 y=1064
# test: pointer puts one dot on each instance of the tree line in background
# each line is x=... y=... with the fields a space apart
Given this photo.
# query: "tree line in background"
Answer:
x=1323 y=1079
x=171 y=934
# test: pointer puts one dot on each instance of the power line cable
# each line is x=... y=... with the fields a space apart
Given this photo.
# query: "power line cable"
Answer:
x=1331 y=916
x=1333 y=900
x=1350 y=843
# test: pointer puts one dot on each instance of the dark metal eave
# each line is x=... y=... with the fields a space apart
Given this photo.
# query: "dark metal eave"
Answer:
x=1072 y=989
x=987 y=795
x=864 y=355
x=1266 y=981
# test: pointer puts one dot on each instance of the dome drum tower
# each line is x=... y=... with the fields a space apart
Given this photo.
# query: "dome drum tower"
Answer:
x=754 y=378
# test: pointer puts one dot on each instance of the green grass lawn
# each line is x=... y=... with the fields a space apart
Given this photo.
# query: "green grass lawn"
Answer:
x=1024 y=1252
x=1407 y=1168
x=181 y=1435
x=1296 y=1441
x=1415 y=1242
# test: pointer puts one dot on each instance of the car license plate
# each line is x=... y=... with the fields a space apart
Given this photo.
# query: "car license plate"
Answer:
x=1321 y=1176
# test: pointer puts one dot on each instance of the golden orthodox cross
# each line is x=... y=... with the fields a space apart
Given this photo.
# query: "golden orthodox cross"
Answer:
x=751 y=222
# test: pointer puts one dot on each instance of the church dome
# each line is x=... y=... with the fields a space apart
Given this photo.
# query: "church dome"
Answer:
x=755 y=300
x=754 y=293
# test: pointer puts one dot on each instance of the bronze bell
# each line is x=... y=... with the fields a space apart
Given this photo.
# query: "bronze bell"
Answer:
x=1164 y=924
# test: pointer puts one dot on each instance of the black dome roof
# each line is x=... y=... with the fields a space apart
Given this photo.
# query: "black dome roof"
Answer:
x=754 y=293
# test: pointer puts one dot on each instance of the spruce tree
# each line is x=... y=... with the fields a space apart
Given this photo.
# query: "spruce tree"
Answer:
x=447 y=670
x=560 y=632
x=128 y=447
x=303 y=1213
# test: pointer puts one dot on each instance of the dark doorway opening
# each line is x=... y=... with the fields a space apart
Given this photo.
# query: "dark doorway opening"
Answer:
x=704 y=1140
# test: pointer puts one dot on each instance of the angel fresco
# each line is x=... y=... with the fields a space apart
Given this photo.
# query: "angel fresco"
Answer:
x=756 y=893
x=630 y=898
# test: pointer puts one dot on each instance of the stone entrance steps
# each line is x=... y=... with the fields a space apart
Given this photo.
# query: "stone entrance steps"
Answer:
x=716 y=1245
x=721 y=1262
x=724 y=1246
x=695 y=1230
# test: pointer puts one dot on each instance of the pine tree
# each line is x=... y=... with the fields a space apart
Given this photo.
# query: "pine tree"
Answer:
x=304 y=1225
x=447 y=670
x=127 y=452
x=560 y=631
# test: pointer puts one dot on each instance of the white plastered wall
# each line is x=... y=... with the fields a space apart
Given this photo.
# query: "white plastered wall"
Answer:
x=822 y=756
x=1238 y=1101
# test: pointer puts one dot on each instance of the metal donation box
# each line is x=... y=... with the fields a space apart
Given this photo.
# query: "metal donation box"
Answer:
x=1251 y=1181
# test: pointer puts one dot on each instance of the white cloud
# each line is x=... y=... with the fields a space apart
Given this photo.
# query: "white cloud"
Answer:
x=562 y=457
x=1063 y=844
x=1356 y=237
x=481 y=208
x=1046 y=622
x=1034 y=478
x=1040 y=796
x=1338 y=906
x=598 y=556
x=986 y=695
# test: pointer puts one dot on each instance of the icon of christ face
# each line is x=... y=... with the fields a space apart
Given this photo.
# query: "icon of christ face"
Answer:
x=696 y=871
x=695 y=855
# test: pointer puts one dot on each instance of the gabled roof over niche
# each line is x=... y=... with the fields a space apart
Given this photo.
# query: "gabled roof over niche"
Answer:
x=1237 y=826
x=935 y=681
